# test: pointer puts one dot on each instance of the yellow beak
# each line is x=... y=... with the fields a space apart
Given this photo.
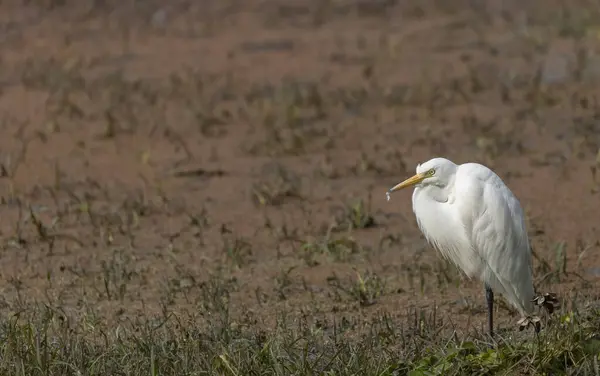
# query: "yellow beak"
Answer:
x=408 y=182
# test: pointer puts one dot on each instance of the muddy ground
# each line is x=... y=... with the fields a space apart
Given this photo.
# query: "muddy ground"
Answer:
x=189 y=157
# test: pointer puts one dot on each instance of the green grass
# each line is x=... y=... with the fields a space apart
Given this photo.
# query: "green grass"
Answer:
x=44 y=342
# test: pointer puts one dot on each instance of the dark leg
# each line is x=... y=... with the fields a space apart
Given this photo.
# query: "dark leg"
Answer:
x=489 y=296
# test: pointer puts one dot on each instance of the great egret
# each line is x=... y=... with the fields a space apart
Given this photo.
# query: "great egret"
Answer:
x=471 y=217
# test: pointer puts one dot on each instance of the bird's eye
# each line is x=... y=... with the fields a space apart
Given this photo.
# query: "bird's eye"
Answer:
x=431 y=172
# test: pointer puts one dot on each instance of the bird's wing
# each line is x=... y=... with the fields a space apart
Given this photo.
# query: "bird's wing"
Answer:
x=494 y=223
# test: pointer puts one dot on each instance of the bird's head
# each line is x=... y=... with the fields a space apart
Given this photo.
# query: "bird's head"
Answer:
x=436 y=172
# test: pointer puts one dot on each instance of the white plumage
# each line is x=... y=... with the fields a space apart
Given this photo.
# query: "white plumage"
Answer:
x=469 y=215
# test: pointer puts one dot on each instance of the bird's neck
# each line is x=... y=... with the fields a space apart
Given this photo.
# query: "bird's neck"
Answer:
x=433 y=192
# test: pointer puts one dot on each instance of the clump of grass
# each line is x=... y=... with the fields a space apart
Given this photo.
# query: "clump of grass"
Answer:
x=116 y=274
x=238 y=251
x=355 y=215
x=340 y=249
x=46 y=341
x=365 y=289
x=283 y=282
x=277 y=185
x=425 y=277
x=291 y=118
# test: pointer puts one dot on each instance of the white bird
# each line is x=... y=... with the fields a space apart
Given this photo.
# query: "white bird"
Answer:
x=471 y=217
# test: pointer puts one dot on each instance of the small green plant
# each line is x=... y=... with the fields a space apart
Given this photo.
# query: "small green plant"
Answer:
x=278 y=185
x=355 y=215
x=367 y=288
x=238 y=251
x=282 y=283
x=340 y=249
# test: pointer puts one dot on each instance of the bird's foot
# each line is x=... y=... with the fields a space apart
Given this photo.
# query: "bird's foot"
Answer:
x=549 y=301
x=534 y=321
